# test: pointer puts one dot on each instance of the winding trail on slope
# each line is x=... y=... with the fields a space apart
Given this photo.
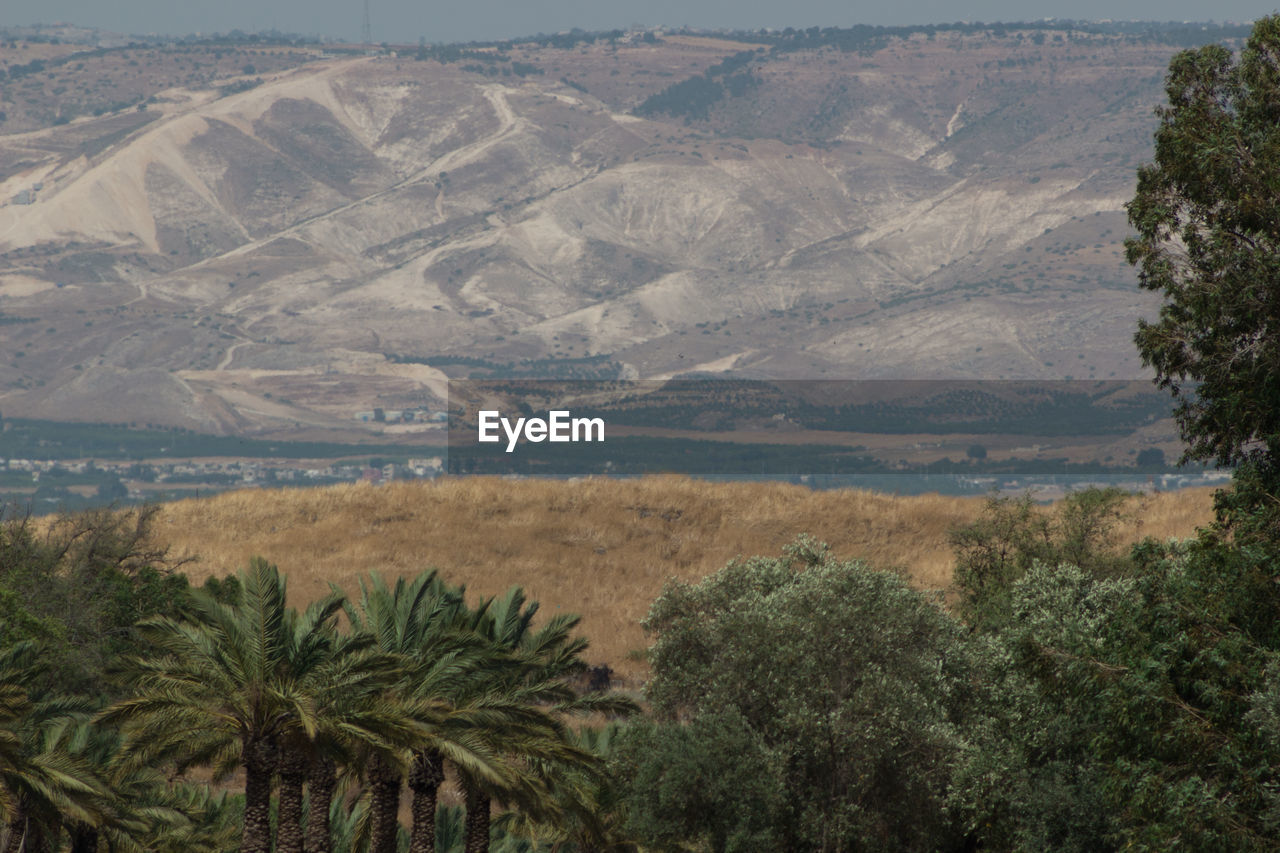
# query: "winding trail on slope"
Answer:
x=230 y=354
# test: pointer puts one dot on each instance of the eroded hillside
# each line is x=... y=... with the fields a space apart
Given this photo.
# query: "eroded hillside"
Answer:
x=280 y=249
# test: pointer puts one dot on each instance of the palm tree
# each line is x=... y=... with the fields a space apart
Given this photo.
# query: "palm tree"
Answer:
x=15 y=704
x=228 y=685
x=489 y=691
x=42 y=785
x=592 y=811
x=393 y=621
x=350 y=707
x=426 y=624
x=539 y=758
x=454 y=670
x=476 y=736
x=148 y=813
x=188 y=819
x=98 y=749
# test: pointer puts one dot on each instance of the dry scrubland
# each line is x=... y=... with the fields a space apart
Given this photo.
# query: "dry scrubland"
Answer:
x=602 y=548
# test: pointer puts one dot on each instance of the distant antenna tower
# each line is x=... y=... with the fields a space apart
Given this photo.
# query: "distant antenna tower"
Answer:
x=366 y=32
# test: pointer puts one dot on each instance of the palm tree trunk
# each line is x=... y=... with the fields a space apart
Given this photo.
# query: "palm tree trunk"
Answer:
x=384 y=780
x=321 y=783
x=259 y=765
x=293 y=774
x=24 y=834
x=17 y=830
x=84 y=839
x=425 y=778
x=477 y=833
x=36 y=842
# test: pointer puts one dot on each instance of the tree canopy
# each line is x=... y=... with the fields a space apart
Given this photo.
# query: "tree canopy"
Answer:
x=1207 y=214
x=838 y=683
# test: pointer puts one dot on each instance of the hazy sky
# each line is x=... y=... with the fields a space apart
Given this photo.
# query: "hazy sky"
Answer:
x=406 y=20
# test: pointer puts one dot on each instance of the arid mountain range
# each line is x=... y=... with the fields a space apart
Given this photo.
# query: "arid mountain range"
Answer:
x=268 y=238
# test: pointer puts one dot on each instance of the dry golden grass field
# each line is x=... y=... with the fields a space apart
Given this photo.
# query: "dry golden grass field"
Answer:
x=601 y=548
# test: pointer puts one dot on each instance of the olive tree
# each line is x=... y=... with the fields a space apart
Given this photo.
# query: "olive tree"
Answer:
x=841 y=686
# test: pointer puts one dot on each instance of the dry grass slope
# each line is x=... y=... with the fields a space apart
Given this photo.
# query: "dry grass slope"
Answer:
x=602 y=548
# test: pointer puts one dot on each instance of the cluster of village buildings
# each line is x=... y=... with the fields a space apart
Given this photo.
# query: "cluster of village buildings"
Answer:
x=407 y=416
x=226 y=471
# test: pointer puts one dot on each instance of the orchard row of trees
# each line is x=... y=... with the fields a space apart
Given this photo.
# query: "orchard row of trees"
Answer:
x=102 y=717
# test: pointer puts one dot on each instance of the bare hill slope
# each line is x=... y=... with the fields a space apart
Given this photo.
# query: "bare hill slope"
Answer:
x=601 y=548
x=276 y=241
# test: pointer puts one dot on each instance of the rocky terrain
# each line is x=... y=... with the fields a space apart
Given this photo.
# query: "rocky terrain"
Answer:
x=255 y=239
